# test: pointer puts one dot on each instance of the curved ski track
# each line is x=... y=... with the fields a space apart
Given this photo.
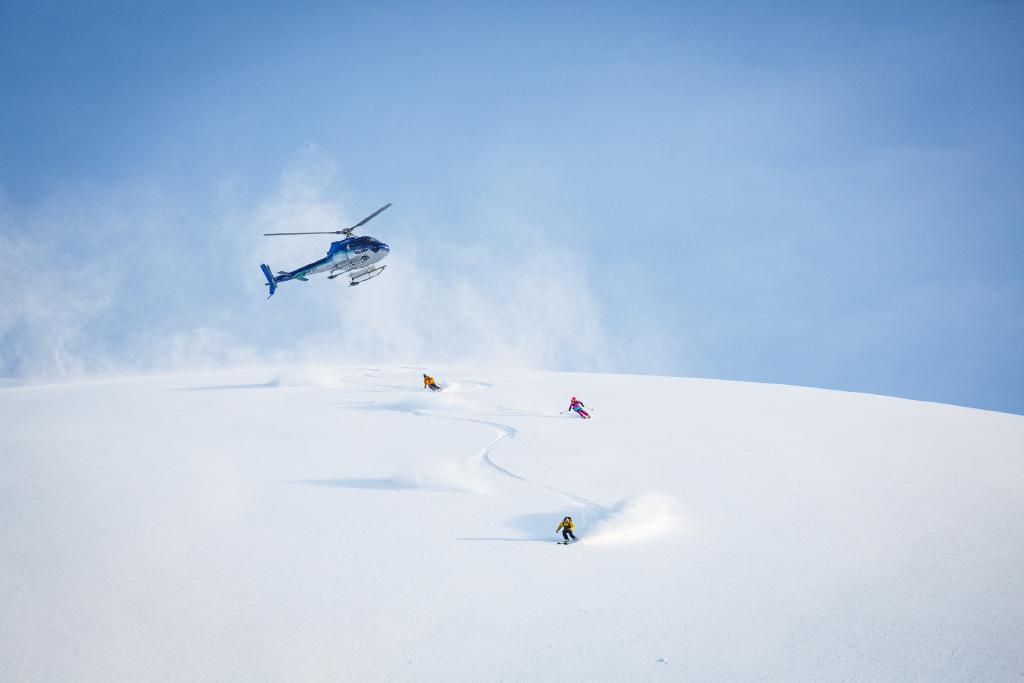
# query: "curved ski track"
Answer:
x=505 y=432
x=508 y=432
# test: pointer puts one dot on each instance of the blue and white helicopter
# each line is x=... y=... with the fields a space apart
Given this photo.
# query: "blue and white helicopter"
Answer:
x=352 y=256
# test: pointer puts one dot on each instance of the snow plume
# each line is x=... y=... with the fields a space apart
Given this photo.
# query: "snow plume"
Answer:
x=118 y=280
x=129 y=280
x=639 y=518
x=520 y=300
x=47 y=305
x=475 y=307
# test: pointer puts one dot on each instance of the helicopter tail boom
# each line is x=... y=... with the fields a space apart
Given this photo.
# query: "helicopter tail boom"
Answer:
x=270 y=279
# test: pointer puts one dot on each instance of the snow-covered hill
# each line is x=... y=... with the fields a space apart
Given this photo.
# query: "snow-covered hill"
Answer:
x=341 y=524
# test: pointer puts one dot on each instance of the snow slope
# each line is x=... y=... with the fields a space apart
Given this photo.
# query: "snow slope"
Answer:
x=340 y=524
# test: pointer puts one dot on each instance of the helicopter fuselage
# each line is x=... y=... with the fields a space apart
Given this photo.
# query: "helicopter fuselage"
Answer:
x=355 y=256
x=354 y=253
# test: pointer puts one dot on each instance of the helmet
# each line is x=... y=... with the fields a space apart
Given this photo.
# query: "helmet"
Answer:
x=574 y=398
x=424 y=374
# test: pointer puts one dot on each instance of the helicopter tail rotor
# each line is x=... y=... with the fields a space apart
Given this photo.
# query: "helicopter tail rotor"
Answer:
x=270 y=279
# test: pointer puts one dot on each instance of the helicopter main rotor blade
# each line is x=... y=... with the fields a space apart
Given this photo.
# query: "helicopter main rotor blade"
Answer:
x=367 y=219
x=335 y=232
x=346 y=231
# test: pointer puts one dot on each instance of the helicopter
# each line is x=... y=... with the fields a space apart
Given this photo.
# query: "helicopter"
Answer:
x=352 y=256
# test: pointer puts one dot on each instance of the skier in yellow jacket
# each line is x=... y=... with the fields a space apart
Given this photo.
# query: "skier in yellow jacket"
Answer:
x=429 y=383
x=565 y=526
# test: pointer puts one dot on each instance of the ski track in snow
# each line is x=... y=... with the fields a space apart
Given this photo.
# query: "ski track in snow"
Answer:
x=640 y=517
x=506 y=432
x=637 y=518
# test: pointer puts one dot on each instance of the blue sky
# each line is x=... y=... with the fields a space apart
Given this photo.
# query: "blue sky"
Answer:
x=812 y=194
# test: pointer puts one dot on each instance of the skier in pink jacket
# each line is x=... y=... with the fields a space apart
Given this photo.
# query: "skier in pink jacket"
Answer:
x=576 y=406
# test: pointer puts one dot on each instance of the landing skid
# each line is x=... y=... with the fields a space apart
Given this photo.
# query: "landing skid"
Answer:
x=364 y=275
